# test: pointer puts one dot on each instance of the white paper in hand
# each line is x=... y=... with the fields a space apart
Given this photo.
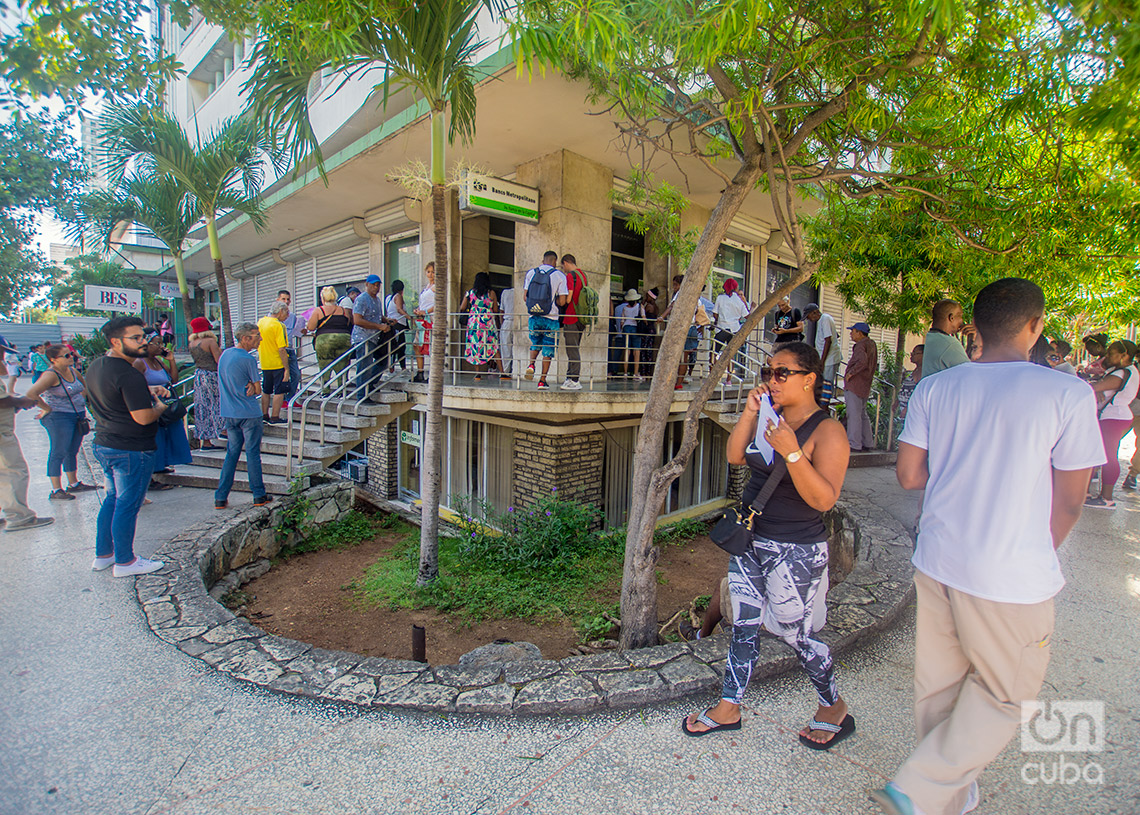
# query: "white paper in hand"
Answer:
x=760 y=444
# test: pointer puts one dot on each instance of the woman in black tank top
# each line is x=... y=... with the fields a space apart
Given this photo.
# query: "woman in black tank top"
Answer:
x=778 y=582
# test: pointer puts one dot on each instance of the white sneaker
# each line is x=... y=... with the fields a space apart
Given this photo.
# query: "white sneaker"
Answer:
x=101 y=563
x=973 y=798
x=571 y=385
x=140 y=566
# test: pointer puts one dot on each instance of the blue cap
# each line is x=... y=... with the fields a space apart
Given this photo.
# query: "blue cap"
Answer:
x=373 y=278
x=866 y=329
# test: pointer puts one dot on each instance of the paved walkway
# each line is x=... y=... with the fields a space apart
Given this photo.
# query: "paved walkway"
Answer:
x=99 y=716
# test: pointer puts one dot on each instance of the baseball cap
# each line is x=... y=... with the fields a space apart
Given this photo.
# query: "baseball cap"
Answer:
x=7 y=346
x=373 y=278
x=352 y=290
x=811 y=307
x=866 y=329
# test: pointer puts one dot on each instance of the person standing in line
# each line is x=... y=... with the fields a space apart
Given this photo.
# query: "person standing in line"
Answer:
x=857 y=381
x=827 y=345
x=11 y=359
x=126 y=416
x=240 y=388
x=350 y=295
x=701 y=319
x=423 y=312
x=18 y=516
x=729 y=313
x=368 y=327
x=788 y=323
x=206 y=352
x=571 y=325
x=1095 y=345
x=1004 y=488
x=1117 y=389
x=910 y=381
x=64 y=404
x=171 y=444
x=294 y=329
x=629 y=315
x=1059 y=351
x=647 y=332
x=546 y=293
x=274 y=355
x=481 y=336
x=331 y=327
x=942 y=349
x=506 y=330
x=397 y=317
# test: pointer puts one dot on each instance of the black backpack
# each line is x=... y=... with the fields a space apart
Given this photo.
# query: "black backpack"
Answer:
x=539 y=299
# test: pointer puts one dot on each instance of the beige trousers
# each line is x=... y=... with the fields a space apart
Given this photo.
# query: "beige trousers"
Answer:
x=975 y=662
x=13 y=482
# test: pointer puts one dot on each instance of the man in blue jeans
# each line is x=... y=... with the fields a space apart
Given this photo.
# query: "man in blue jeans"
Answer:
x=294 y=329
x=126 y=413
x=239 y=383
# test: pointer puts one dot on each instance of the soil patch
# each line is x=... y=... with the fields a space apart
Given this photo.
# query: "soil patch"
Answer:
x=308 y=597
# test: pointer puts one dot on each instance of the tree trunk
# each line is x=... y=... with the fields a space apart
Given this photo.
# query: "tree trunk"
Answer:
x=184 y=290
x=431 y=476
x=639 y=580
x=220 y=276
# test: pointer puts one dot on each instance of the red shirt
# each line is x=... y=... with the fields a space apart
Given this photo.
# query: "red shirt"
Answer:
x=574 y=285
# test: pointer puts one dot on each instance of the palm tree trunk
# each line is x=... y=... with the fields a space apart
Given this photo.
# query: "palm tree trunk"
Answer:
x=184 y=290
x=431 y=476
x=220 y=276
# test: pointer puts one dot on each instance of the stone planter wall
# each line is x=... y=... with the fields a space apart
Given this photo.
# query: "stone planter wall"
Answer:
x=224 y=551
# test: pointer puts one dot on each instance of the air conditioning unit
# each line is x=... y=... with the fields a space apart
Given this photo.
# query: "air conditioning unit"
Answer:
x=354 y=466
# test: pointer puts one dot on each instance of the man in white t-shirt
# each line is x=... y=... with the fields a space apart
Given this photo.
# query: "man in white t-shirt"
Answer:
x=549 y=287
x=828 y=345
x=1003 y=448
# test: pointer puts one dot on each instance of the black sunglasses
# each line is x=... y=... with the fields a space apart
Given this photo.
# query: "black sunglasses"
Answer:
x=780 y=374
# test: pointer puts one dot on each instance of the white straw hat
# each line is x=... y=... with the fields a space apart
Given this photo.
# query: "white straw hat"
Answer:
x=632 y=295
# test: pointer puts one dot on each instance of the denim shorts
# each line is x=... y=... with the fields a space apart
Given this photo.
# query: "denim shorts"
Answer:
x=691 y=338
x=273 y=381
x=542 y=331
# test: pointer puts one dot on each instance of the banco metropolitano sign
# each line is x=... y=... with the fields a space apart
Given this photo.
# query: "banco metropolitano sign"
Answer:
x=493 y=196
x=108 y=298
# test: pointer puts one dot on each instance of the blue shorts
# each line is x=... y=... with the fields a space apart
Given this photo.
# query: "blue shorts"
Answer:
x=542 y=331
x=273 y=382
x=691 y=338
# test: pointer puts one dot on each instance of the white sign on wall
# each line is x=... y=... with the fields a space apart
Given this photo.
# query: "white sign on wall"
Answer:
x=107 y=298
x=171 y=291
x=493 y=196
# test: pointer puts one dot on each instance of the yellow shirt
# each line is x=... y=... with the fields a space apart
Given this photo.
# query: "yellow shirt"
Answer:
x=272 y=341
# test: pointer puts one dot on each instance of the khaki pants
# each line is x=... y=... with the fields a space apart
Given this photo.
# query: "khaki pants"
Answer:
x=13 y=482
x=976 y=661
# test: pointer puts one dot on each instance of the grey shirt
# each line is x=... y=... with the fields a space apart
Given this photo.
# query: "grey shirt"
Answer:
x=371 y=309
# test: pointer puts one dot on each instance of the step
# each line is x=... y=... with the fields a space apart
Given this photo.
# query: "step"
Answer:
x=312 y=449
x=311 y=431
x=207 y=478
x=872 y=458
x=270 y=464
x=347 y=421
x=351 y=407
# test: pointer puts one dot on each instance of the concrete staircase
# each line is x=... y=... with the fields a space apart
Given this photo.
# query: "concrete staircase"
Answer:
x=330 y=429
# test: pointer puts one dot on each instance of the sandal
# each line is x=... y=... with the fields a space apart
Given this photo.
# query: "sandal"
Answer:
x=712 y=724
x=158 y=486
x=839 y=731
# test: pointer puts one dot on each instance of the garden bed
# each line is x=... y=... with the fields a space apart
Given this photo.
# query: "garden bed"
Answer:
x=351 y=588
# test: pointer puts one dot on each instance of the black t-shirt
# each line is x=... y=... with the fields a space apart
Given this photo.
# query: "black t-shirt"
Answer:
x=788 y=320
x=114 y=389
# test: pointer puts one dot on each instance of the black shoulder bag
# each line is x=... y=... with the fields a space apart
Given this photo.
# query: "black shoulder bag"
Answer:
x=733 y=532
x=82 y=424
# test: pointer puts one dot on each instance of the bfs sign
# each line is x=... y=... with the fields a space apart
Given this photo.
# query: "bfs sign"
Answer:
x=106 y=298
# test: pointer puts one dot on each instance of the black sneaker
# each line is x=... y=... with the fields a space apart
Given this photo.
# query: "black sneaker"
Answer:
x=419 y=378
x=221 y=504
x=60 y=495
x=1129 y=483
x=262 y=501
x=79 y=486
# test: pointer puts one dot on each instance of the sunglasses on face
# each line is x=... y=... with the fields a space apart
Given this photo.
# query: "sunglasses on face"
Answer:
x=780 y=374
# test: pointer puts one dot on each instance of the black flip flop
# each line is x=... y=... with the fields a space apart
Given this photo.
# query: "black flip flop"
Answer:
x=841 y=732
x=712 y=724
x=158 y=486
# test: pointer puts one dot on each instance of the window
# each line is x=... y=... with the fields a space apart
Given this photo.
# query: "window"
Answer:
x=478 y=462
x=501 y=253
x=214 y=306
x=730 y=262
x=627 y=258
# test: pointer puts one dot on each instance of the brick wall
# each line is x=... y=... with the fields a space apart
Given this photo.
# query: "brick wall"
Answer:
x=383 y=464
x=570 y=464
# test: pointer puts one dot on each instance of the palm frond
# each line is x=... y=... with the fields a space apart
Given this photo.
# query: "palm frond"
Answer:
x=237 y=201
x=278 y=94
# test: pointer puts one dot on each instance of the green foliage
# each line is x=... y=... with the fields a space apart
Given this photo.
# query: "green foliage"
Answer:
x=73 y=48
x=353 y=529
x=296 y=511
x=657 y=209
x=548 y=534
x=90 y=347
x=680 y=531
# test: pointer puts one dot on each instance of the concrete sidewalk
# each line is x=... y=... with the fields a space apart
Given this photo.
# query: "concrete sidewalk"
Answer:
x=99 y=716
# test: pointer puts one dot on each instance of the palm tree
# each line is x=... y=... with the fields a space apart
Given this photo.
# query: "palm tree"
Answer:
x=161 y=204
x=428 y=47
x=223 y=173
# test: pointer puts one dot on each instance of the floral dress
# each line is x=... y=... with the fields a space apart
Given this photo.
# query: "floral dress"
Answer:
x=482 y=333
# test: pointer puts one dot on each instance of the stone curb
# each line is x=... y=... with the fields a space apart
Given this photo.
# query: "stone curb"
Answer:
x=223 y=552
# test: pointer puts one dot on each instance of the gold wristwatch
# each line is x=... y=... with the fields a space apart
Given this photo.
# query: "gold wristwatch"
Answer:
x=792 y=458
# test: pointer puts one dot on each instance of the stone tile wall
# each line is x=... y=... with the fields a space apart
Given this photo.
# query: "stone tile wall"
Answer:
x=383 y=462
x=570 y=464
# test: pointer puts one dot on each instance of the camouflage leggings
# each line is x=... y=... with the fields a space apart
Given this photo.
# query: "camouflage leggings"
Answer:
x=774 y=586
